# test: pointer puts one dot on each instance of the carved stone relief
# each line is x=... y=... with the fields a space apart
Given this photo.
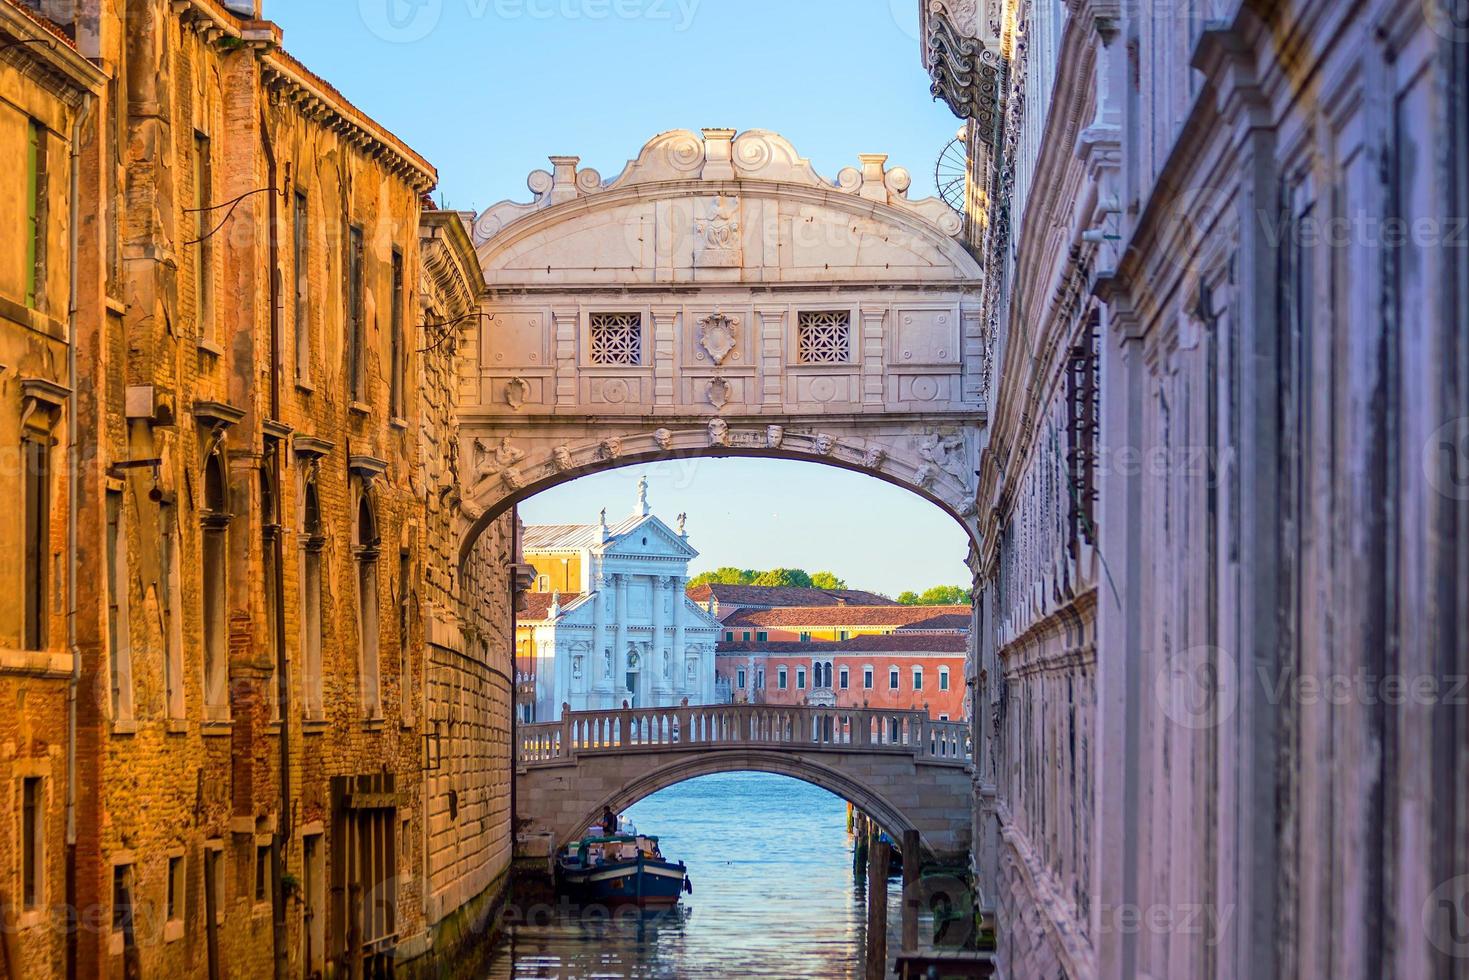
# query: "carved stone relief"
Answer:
x=718 y=336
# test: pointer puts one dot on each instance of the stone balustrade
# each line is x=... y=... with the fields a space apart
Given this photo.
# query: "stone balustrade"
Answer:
x=744 y=725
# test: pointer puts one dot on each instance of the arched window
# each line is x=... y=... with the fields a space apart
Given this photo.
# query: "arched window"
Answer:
x=313 y=541
x=214 y=522
x=366 y=553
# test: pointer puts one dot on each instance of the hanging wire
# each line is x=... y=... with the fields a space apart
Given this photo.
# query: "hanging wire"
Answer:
x=232 y=204
x=49 y=42
x=442 y=329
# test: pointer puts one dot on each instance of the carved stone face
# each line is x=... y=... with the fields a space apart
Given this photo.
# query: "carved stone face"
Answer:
x=874 y=458
x=561 y=458
x=611 y=448
x=718 y=432
x=663 y=438
x=824 y=444
x=774 y=436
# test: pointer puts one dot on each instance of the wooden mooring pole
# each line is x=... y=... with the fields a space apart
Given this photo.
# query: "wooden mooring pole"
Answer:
x=910 y=890
x=877 y=910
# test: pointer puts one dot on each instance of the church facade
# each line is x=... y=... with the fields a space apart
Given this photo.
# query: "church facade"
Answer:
x=609 y=621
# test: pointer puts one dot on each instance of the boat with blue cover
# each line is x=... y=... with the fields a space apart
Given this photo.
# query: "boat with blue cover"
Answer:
x=621 y=869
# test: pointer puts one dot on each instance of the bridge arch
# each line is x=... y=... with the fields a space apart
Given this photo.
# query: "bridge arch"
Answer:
x=720 y=298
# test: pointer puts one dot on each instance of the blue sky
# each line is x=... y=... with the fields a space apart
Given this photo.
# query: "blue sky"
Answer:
x=766 y=513
x=488 y=89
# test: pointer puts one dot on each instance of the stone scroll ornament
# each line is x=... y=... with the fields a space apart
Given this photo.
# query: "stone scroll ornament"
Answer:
x=717 y=336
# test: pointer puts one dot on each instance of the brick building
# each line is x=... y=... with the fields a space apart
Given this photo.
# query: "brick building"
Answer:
x=244 y=565
x=903 y=670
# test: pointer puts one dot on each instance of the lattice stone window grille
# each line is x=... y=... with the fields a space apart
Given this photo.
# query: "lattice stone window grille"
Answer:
x=824 y=336
x=617 y=339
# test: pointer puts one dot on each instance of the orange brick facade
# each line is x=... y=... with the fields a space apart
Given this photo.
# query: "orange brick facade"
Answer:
x=265 y=476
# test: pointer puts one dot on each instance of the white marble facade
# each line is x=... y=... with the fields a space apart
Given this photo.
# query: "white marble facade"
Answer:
x=630 y=633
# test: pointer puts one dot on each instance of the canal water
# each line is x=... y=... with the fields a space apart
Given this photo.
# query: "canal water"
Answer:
x=774 y=894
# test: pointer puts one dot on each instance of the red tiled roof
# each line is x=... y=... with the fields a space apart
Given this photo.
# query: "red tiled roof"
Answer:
x=782 y=595
x=891 y=643
x=893 y=616
x=942 y=621
x=536 y=606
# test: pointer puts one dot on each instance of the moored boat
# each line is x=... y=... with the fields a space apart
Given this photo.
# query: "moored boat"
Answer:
x=621 y=869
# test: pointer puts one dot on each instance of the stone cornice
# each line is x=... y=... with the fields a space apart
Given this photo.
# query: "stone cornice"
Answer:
x=37 y=48
x=449 y=259
x=316 y=100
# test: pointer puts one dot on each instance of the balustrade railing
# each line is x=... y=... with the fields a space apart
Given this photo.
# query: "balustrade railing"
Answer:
x=862 y=729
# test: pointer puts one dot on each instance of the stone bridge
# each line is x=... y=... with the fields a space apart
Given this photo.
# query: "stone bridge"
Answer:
x=902 y=769
x=720 y=298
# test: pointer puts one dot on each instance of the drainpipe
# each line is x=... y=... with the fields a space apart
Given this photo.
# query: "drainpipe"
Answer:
x=73 y=520
x=514 y=674
x=277 y=585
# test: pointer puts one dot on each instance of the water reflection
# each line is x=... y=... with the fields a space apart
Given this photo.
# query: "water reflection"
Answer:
x=774 y=894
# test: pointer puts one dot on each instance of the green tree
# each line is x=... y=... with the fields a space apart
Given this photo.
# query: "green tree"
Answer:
x=784 y=576
x=724 y=576
x=826 y=580
x=939 y=595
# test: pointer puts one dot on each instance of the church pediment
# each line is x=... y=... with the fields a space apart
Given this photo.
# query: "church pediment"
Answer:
x=650 y=538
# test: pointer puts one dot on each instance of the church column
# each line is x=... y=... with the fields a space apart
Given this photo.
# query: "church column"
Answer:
x=601 y=683
x=619 y=652
x=663 y=681
x=680 y=655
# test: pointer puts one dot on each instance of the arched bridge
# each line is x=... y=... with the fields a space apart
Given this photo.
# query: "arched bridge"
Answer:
x=901 y=768
x=720 y=298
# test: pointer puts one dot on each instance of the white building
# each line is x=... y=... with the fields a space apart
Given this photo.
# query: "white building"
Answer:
x=610 y=621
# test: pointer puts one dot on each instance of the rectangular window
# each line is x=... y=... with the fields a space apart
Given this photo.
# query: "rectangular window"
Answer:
x=805 y=637
x=844 y=635
x=405 y=621
x=616 y=339
x=37 y=218
x=174 y=907
x=356 y=353
x=760 y=679
x=943 y=678
x=740 y=678
x=262 y=872
x=893 y=678
x=1083 y=407
x=844 y=679
x=917 y=678
x=943 y=717
x=213 y=592
x=746 y=636
x=118 y=641
x=170 y=621
x=397 y=365
x=762 y=636
x=122 y=898
x=312 y=619
x=36 y=458
x=824 y=336
x=729 y=636
x=203 y=247
x=867 y=678
x=33 y=813
x=780 y=678
x=801 y=678
x=301 y=265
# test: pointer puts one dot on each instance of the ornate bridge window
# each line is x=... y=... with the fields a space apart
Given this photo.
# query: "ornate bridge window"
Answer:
x=617 y=339
x=824 y=336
